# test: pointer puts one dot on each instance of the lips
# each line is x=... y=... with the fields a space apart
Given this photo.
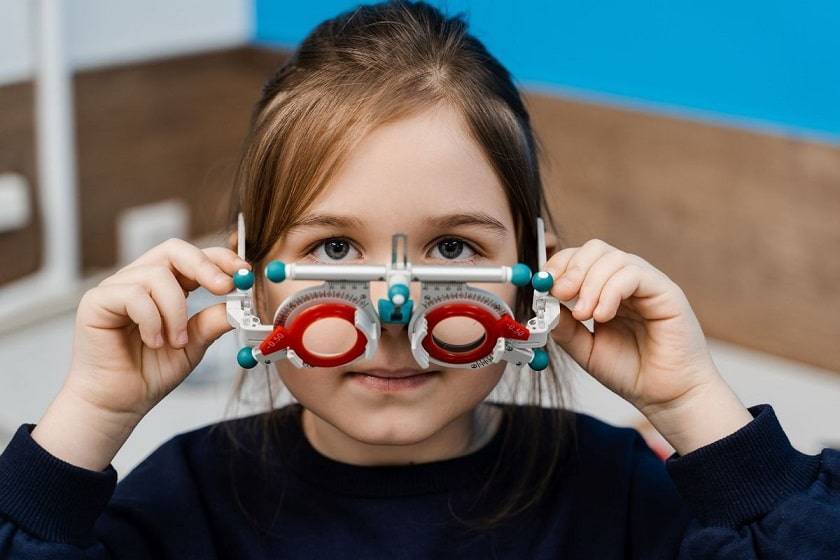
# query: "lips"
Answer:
x=393 y=374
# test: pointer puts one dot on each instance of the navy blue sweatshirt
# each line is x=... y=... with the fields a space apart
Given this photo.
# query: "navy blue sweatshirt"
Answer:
x=749 y=495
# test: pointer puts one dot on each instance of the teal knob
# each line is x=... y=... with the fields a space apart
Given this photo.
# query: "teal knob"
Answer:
x=243 y=279
x=540 y=360
x=245 y=357
x=521 y=274
x=275 y=271
x=542 y=281
x=398 y=294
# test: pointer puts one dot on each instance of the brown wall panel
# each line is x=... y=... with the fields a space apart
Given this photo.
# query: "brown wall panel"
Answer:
x=21 y=249
x=162 y=129
x=746 y=223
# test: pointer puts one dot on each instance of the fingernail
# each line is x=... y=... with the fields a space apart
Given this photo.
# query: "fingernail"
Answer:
x=182 y=338
x=222 y=278
x=580 y=304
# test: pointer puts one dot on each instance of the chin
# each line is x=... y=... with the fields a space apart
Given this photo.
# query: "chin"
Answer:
x=391 y=425
x=395 y=426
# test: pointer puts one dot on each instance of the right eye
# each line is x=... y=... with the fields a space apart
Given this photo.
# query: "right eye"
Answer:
x=331 y=250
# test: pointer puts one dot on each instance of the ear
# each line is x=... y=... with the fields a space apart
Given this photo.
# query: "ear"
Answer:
x=550 y=244
x=232 y=240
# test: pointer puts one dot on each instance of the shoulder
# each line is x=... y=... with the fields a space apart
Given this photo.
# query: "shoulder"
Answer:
x=600 y=470
x=588 y=441
x=204 y=456
x=603 y=440
x=591 y=431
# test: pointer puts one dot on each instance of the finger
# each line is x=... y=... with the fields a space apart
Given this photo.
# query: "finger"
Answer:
x=159 y=282
x=195 y=266
x=227 y=260
x=233 y=240
x=557 y=263
x=573 y=337
x=593 y=283
x=568 y=282
x=205 y=327
x=126 y=302
x=618 y=287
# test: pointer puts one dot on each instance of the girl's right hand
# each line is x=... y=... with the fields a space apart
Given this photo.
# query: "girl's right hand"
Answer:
x=134 y=342
x=129 y=348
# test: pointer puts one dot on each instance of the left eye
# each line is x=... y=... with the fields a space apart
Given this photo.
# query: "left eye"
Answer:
x=452 y=247
x=337 y=248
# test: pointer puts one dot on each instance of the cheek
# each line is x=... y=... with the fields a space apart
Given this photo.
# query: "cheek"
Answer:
x=470 y=386
x=309 y=385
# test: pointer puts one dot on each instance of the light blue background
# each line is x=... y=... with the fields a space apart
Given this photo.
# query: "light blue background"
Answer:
x=771 y=64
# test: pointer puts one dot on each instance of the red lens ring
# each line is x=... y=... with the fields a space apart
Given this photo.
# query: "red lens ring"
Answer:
x=315 y=313
x=484 y=317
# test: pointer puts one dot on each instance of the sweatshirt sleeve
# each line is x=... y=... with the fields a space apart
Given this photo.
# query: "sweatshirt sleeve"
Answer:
x=752 y=495
x=52 y=509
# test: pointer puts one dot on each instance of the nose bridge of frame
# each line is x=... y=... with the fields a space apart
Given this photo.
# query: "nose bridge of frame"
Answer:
x=395 y=303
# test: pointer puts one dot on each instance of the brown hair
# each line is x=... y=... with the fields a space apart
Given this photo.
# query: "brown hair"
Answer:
x=361 y=69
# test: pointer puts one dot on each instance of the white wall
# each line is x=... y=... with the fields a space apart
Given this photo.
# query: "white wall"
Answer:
x=106 y=32
x=16 y=56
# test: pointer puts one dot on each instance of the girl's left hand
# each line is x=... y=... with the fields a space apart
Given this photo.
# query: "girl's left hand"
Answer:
x=647 y=345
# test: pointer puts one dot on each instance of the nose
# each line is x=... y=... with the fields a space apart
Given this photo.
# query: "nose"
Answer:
x=394 y=330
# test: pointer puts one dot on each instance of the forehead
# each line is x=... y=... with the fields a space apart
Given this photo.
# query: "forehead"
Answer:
x=425 y=164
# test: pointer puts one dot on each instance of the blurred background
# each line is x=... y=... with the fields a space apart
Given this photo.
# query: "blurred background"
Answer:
x=704 y=137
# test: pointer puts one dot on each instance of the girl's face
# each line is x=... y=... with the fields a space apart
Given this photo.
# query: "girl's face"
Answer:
x=404 y=177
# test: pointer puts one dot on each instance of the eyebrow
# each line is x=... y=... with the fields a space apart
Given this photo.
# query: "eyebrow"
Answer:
x=446 y=221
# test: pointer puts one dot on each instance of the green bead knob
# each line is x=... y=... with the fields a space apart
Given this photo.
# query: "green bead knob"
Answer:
x=521 y=274
x=276 y=271
x=243 y=279
x=245 y=357
x=398 y=290
x=540 y=360
x=542 y=281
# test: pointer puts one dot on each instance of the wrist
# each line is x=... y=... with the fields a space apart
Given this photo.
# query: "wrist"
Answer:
x=81 y=434
x=703 y=415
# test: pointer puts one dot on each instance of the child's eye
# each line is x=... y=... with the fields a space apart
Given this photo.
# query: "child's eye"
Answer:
x=452 y=247
x=335 y=249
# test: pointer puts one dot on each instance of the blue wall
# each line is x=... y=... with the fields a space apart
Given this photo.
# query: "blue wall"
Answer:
x=771 y=64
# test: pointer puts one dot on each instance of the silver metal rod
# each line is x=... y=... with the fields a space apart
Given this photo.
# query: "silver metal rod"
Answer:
x=240 y=236
x=540 y=244
x=360 y=272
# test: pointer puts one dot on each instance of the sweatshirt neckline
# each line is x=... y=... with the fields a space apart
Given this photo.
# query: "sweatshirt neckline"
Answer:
x=338 y=477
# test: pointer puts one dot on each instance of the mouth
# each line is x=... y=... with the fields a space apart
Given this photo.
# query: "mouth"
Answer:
x=394 y=373
x=389 y=381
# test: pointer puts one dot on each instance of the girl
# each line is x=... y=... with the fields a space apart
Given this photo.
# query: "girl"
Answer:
x=391 y=118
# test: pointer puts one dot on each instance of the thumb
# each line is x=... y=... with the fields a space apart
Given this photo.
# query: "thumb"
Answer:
x=573 y=337
x=205 y=327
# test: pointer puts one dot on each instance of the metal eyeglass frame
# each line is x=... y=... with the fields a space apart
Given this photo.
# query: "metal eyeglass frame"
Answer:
x=345 y=293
